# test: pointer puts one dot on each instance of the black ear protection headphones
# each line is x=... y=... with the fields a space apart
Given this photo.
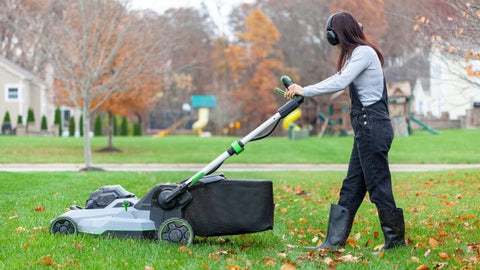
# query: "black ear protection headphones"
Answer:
x=330 y=32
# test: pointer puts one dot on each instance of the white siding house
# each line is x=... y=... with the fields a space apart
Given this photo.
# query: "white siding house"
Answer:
x=452 y=92
x=21 y=90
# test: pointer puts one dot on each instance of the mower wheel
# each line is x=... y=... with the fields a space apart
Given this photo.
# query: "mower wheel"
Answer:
x=176 y=230
x=63 y=225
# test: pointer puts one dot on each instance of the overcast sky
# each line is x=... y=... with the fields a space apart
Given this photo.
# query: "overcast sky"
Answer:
x=218 y=9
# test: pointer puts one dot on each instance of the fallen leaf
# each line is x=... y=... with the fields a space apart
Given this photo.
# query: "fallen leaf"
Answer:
x=376 y=234
x=427 y=253
x=415 y=259
x=185 y=249
x=233 y=267
x=204 y=265
x=39 y=208
x=48 y=261
x=368 y=243
x=13 y=217
x=21 y=229
x=282 y=255
x=27 y=245
x=433 y=242
x=267 y=261
x=444 y=256
x=79 y=245
x=440 y=265
x=288 y=266
x=422 y=267
x=303 y=220
x=348 y=258
x=377 y=248
x=146 y=267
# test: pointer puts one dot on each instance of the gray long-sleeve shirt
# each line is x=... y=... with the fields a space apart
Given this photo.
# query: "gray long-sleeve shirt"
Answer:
x=363 y=68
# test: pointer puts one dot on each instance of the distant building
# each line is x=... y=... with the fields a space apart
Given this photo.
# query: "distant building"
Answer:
x=21 y=90
x=452 y=92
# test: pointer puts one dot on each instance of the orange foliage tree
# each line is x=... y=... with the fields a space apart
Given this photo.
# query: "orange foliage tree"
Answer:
x=370 y=13
x=253 y=65
x=99 y=49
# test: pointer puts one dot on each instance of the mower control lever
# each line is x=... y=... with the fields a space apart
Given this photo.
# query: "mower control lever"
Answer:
x=292 y=104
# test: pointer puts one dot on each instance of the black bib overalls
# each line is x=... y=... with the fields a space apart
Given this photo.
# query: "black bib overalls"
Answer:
x=368 y=169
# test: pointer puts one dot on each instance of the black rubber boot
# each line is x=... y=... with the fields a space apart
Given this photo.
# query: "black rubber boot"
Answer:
x=339 y=226
x=393 y=227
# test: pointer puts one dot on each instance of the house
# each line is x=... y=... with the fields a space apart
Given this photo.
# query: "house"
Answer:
x=20 y=90
x=452 y=92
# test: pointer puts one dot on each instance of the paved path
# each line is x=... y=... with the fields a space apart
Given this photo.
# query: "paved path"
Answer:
x=227 y=167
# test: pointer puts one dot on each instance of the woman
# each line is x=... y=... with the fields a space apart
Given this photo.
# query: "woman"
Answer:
x=359 y=66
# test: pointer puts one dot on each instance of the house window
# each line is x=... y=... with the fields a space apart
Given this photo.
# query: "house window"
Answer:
x=12 y=93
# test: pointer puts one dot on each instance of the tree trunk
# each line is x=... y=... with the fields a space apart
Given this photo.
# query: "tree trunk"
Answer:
x=110 y=130
x=87 y=148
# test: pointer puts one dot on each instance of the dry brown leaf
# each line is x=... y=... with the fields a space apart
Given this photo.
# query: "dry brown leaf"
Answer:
x=444 y=256
x=415 y=259
x=348 y=258
x=13 y=217
x=269 y=261
x=440 y=265
x=146 y=267
x=39 y=208
x=422 y=267
x=21 y=229
x=204 y=265
x=288 y=266
x=233 y=267
x=377 y=248
x=303 y=220
x=433 y=242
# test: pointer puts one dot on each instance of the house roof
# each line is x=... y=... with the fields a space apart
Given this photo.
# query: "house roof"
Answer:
x=399 y=89
x=21 y=72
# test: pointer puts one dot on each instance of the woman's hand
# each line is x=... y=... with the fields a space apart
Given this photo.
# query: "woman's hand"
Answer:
x=293 y=90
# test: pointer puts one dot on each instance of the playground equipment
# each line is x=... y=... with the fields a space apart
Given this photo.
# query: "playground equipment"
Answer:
x=203 y=104
x=203 y=204
x=173 y=127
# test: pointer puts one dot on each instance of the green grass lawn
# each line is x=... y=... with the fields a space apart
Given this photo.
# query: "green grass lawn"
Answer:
x=441 y=211
x=451 y=146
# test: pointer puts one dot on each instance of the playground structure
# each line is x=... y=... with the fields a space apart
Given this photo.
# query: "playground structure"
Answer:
x=203 y=104
x=200 y=102
x=399 y=99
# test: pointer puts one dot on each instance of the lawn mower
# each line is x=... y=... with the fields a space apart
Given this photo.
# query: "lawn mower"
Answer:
x=202 y=205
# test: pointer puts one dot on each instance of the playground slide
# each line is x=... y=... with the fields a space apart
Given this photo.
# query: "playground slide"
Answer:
x=292 y=117
x=202 y=120
x=427 y=128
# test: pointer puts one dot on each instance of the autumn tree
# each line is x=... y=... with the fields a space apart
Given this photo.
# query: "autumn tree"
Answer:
x=92 y=53
x=452 y=28
x=259 y=65
x=187 y=69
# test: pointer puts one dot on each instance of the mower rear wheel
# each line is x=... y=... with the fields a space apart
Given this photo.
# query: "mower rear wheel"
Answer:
x=176 y=230
x=63 y=225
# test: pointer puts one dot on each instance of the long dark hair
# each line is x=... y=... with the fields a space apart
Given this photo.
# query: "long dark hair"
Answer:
x=350 y=35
